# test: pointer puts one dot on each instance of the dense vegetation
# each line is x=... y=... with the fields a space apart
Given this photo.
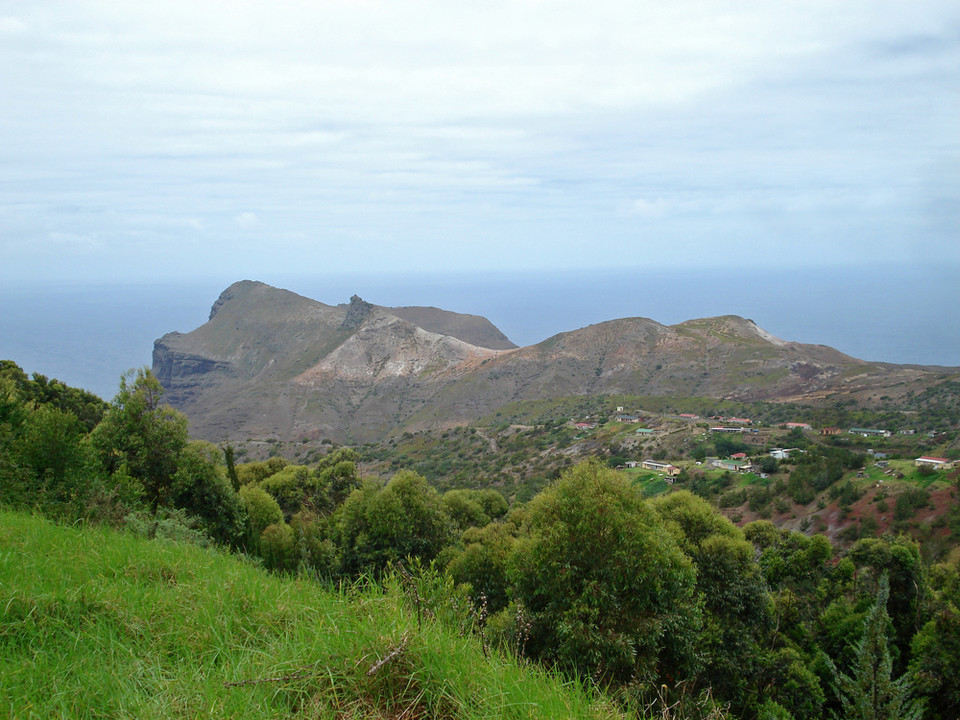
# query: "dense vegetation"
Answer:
x=96 y=624
x=663 y=603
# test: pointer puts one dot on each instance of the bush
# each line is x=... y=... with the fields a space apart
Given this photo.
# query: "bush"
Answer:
x=608 y=591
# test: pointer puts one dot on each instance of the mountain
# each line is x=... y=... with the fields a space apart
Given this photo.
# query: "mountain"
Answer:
x=272 y=364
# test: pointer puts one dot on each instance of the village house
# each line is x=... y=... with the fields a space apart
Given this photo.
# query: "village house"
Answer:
x=869 y=432
x=657 y=466
x=737 y=466
x=780 y=454
x=937 y=463
x=830 y=431
x=797 y=426
x=688 y=416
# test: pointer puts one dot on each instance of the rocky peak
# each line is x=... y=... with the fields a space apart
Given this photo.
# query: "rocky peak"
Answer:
x=231 y=292
x=357 y=312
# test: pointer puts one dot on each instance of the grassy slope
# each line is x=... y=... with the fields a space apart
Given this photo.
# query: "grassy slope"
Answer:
x=95 y=624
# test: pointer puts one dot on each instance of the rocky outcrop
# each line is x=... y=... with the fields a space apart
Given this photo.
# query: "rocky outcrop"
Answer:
x=357 y=312
x=270 y=363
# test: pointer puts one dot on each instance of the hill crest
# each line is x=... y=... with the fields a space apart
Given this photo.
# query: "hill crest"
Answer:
x=271 y=363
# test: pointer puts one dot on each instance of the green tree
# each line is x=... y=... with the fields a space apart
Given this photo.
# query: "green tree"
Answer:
x=736 y=615
x=610 y=593
x=935 y=651
x=278 y=547
x=291 y=487
x=899 y=559
x=201 y=488
x=229 y=458
x=142 y=436
x=376 y=526
x=337 y=477
x=473 y=508
x=870 y=693
x=261 y=510
x=483 y=562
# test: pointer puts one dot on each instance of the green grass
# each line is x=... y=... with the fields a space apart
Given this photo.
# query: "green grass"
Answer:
x=95 y=624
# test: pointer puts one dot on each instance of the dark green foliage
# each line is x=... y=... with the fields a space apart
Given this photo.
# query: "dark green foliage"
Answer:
x=899 y=560
x=39 y=391
x=293 y=487
x=254 y=472
x=609 y=592
x=726 y=446
x=376 y=525
x=936 y=648
x=473 y=508
x=262 y=511
x=141 y=438
x=936 y=659
x=483 y=563
x=229 y=460
x=278 y=547
x=201 y=488
x=908 y=502
x=735 y=612
x=793 y=686
x=337 y=477
x=870 y=692
x=769 y=465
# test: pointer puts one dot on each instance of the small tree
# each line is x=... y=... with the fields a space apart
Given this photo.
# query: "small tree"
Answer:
x=609 y=591
x=871 y=693
x=142 y=436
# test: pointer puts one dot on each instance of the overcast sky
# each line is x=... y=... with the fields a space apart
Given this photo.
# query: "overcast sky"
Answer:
x=188 y=138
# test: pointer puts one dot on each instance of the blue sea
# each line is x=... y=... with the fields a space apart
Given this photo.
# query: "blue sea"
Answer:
x=88 y=335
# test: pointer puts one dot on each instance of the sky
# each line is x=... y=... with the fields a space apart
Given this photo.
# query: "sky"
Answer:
x=175 y=140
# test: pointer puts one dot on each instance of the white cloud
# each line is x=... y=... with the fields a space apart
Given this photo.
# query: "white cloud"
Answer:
x=12 y=26
x=545 y=129
x=246 y=220
x=649 y=208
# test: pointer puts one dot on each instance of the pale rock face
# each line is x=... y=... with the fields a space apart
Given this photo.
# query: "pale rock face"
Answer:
x=769 y=337
x=388 y=347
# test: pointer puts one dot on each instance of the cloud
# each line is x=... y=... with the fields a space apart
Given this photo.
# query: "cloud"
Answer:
x=11 y=25
x=549 y=132
x=246 y=220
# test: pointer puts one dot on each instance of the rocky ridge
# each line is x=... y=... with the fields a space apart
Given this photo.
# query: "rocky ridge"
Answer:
x=270 y=363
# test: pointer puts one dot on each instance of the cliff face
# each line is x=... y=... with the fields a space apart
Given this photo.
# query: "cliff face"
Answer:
x=270 y=363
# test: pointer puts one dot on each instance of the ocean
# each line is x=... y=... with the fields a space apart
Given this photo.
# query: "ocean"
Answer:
x=88 y=335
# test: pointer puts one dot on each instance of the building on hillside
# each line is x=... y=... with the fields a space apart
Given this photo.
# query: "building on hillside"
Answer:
x=628 y=418
x=585 y=426
x=724 y=429
x=740 y=421
x=830 y=431
x=657 y=466
x=739 y=456
x=737 y=466
x=797 y=426
x=688 y=416
x=937 y=463
x=869 y=432
x=645 y=432
x=780 y=454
